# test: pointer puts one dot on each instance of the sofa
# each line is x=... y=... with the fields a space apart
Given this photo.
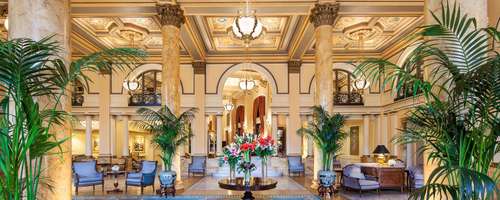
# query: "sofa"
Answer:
x=354 y=178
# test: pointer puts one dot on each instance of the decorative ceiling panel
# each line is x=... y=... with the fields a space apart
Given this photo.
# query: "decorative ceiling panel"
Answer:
x=222 y=40
x=140 y=32
x=370 y=33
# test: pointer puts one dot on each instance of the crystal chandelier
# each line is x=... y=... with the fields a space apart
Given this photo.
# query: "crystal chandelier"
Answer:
x=246 y=84
x=228 y=106
x=130 y=85
x=247 y=27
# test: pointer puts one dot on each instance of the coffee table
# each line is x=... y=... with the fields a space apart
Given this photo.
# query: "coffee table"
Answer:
x=115 y=174
x=256 y=184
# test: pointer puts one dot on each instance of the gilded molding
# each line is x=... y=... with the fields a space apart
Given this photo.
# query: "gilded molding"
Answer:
x=199 y=67
x=294 y=66
x=170 y=14
x=324 y=14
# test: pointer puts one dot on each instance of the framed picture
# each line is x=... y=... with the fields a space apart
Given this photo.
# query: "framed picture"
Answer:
x=95 y=144
x=354 y=140
x=138 y=144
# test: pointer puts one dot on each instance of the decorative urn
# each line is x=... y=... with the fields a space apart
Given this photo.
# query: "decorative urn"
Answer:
x=167 y=178
x=326 y=178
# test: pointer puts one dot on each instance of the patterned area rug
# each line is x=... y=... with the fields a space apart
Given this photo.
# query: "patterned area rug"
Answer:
x=221 y=197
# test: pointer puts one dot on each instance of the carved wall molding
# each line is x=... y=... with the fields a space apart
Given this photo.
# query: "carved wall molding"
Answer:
x=324 y=14
x=170 y=14
x=294 y=66
x=199 y=67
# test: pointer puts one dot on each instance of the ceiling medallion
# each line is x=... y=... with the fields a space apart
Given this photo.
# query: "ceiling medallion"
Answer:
x=247 y=26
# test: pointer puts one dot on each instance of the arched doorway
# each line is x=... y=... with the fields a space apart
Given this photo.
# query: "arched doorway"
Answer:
x=250 y=105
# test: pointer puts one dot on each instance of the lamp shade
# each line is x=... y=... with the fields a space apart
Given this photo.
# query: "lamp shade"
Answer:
x=381 y=149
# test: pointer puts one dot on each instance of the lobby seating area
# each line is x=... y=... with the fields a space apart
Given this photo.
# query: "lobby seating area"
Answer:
x=249 y=99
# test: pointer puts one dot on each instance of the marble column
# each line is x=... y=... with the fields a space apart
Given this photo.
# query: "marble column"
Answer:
x=395 y=132
x=88 y=135
x=378 y=134
x=310 y=142
x=104 y=115
x=366 y=134
x=37 y=19
x=112 y=130
x=384 y=140
x=171 y=17
x=219 y=133
x=294 y=140
x=303 y=122
x=274 y=125
x=198 y=141
x=125 y=148
x=323 y=17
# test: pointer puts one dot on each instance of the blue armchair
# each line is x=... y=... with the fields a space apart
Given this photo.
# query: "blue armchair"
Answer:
x=85 y=174
x=295 y=165
x=353 y=178
x=143 y=178
x=415 y=177
x=198 y=165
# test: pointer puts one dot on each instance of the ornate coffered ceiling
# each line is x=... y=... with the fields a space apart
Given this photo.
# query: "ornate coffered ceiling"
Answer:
x=367 y=33
x=139 y=32
x=220 y=38
x=204 y=37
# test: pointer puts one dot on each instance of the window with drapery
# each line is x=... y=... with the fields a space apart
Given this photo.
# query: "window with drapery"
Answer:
x=343 y=88
x=149 y=91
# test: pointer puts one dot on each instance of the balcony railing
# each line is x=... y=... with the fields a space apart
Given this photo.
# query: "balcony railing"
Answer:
x=405 y=92
x=145 y=100
x=352 y=98
x=77 y=100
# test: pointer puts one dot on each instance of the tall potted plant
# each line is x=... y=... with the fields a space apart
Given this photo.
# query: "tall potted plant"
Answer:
x=170 y=132
x=326 y=131
x=32 y=70
x=458 y=122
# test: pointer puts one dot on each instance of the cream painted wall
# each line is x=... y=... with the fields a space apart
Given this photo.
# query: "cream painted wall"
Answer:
x=204 y=93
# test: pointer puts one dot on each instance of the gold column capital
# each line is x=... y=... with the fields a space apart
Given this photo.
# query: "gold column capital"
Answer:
x=324 y=14
x=294 y=66
x=170 y=14
x=199 y=67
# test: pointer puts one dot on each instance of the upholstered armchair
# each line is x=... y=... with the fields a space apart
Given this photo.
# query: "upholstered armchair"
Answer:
x=145 y=177
x=86 y=174
x=353 y=178
x=415 y=177
x=198 y=165
x=295 y=165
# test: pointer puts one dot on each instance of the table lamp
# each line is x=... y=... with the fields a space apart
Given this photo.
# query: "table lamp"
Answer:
x=380 y=150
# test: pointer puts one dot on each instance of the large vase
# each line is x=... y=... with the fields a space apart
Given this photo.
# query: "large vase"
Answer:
x=326 y=178
x=264 y=167
x=232 y=172
x=167 y=178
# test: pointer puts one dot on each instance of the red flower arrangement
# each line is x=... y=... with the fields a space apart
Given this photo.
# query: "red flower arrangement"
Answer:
x=247 y=147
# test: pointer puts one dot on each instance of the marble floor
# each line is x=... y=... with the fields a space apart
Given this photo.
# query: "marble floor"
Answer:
x=207 y=188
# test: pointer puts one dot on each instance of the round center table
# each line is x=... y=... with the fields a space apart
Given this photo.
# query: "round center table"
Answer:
x=256 y=184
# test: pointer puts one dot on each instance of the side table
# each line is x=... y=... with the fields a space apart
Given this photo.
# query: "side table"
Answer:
x=115 y=174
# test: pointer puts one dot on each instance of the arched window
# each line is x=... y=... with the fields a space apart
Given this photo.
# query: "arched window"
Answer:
x=343 y=89
x=149 y=91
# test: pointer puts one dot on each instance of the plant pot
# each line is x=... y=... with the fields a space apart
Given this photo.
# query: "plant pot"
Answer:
x=326 y=178
x=167 y=178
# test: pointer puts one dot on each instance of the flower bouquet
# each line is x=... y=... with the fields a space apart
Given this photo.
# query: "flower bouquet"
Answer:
x=247 y=146
x=264 y=149
x=232 y=155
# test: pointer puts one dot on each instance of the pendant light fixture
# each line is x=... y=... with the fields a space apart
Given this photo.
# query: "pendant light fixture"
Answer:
x=247 y=26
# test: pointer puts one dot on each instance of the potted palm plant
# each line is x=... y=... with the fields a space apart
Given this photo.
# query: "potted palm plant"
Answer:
x=32 y=70
x=170 y=132
x=458 y=122
x=326 y=131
